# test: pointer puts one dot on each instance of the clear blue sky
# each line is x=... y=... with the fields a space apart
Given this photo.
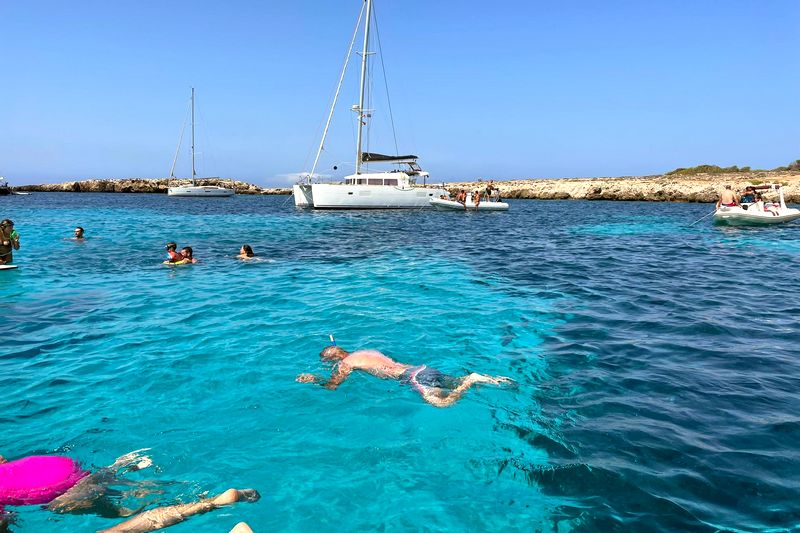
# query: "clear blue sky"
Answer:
x=478 y=89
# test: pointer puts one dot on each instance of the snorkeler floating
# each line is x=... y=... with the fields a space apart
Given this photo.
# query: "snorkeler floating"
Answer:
x=436 y=388
x=64 y=487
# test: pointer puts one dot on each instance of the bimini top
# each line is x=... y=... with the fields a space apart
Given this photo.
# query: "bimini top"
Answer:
x=369 y=157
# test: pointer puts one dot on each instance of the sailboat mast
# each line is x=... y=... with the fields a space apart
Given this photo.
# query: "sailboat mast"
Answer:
x=193 y=171
x=364 y=55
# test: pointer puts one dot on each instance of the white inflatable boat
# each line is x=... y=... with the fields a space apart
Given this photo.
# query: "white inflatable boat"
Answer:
x=757 y=213
x=450 y=205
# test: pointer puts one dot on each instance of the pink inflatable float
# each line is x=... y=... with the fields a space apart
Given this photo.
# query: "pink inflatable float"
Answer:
x=37 y=479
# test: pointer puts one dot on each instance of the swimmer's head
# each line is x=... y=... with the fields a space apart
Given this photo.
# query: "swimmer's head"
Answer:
x=172 y=246
x=333 y=353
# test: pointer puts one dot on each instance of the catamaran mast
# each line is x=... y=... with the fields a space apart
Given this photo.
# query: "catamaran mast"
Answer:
x=193 y=171
x=361 y=113
x=336 y=96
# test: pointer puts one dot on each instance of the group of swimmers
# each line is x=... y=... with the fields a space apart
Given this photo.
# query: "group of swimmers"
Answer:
x=61 y=485
x=186 y=255
x=728 y=198
x=9 y=241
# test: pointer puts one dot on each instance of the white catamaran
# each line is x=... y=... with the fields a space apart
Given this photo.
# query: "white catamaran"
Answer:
x=366 y=190
x=194 y=189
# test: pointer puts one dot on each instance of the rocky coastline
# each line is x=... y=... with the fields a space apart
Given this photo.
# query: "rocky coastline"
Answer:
x=659 y=188
x=145 y=185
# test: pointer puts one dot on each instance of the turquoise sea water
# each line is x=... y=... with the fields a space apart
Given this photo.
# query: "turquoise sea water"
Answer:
x=657 y=363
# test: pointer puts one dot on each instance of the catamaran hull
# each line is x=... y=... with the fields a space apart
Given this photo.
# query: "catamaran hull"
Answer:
x=200 y=191
x=341 y=196
x=449 y=205
x=302 y=195
x=736 y=216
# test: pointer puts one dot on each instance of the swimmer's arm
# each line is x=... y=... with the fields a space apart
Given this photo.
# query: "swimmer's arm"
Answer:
x=341 y=373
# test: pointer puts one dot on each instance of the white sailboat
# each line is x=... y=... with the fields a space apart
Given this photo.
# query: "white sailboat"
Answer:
x=194 y=190
x=395 y=189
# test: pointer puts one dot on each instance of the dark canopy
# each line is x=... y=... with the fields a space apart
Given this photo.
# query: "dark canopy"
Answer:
x=369 y=157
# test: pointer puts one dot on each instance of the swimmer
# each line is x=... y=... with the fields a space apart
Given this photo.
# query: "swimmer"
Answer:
x=187 y=255
x=172 y=254
x=9 y=241
x=61 y=484
x=78 y=234
x=435 y=388
x=246 y=252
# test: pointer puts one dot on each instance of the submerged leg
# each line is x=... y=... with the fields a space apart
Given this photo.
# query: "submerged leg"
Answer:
x=444 y=398
x=162 y=517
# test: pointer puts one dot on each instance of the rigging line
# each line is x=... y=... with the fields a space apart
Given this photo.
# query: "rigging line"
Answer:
x=338 y=89
x=385 y=82
x=180 y=141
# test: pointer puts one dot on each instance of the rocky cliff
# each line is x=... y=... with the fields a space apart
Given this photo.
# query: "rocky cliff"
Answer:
x=140 y=185
x=663 y=188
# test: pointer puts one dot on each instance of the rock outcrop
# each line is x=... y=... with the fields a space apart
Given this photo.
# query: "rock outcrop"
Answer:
x=663 y=188
x=141 y=185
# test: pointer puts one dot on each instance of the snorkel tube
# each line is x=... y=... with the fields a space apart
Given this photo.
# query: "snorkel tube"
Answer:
x=333 y=341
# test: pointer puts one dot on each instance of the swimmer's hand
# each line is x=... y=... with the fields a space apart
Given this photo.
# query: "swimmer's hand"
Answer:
x=307 y=378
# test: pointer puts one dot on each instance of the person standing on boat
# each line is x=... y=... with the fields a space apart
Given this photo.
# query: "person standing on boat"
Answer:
x=9 y=241
x=436 y=388
x=727 y=198
x=476 y=198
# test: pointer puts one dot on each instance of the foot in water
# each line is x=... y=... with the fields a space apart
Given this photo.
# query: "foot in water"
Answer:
x=133 y=461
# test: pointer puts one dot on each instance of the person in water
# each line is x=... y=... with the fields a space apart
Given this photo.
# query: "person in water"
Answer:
x=246 y=252
x=9 y=241
x=79 y=234
x=61 y=485
x=436 y=388
x=188 y=255
x=727 y=198
x=172 y=253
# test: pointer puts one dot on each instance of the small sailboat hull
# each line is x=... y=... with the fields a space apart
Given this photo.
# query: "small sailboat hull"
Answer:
x=736 y=216
x=450 y=205
x=200 y=191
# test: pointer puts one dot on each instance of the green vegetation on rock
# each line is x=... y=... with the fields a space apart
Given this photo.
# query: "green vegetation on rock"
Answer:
x=714 y=169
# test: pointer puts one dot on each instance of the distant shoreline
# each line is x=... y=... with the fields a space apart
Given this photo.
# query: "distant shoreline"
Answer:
x=659 y=188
